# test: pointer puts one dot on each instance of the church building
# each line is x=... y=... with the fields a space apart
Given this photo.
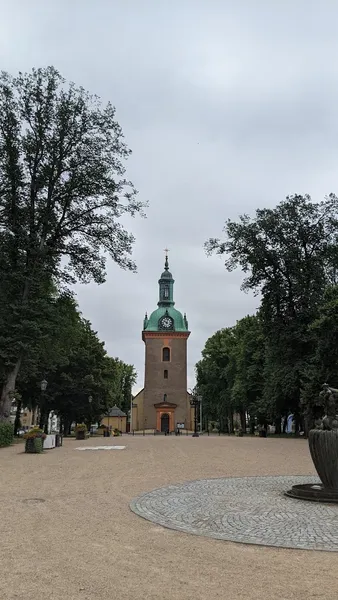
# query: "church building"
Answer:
x=164 y=402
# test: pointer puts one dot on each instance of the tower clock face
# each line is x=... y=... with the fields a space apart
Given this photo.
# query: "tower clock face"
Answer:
x=166 y=323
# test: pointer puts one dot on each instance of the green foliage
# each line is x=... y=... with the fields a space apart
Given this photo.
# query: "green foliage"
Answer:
x=230 y=374
x=62 y=195
x=289 y=255
x=6 y=434
x=80 y=427
x=323 y=366
x=83 y=381
x=34 y=433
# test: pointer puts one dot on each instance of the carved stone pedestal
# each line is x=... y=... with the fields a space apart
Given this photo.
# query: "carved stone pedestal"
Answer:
x=324 y=453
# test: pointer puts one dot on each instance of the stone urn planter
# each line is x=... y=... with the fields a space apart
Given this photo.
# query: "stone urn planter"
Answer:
x=324 y=453
x=323 y=446
x=80 y=431
x=34 y=446
x=34 y=441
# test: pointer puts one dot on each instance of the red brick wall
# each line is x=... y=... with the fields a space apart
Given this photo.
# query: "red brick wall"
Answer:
x=155 y=386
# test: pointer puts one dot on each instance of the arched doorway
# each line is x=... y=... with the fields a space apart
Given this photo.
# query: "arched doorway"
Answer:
x=165 y=422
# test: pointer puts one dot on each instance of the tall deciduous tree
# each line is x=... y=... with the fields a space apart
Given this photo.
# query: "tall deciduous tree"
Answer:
x=323 y=367
x=83 y=381
x=230 y=374
x=62 y=193
x=212 y=377
x=289 y=254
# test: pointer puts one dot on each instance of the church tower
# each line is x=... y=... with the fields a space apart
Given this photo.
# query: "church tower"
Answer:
x=163 y=404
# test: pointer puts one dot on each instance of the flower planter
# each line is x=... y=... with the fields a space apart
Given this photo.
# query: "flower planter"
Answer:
x=324 y=453
x=80 y=435
x=34 y=445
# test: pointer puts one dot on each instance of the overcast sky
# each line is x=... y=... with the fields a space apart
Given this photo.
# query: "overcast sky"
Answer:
x=227 y=106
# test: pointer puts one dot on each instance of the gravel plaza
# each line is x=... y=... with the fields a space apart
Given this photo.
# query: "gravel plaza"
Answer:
x=67 y=529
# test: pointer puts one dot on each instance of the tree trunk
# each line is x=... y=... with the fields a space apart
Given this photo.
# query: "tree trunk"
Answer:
x=285 y=423
x=231 y=424
x=297 y=424
x=308 y=424
x=7 y=392
x=43 y=423
x=17 y=422
x=66 y=426
x=226 y=424
x=243 y=420
x=8 y=387
x=278 y=425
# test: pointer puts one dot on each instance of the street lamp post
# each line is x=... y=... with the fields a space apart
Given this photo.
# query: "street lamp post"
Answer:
x=90 y=400
x=201 y=416
x=43 y=387
x=131 y=414
x=194 y=402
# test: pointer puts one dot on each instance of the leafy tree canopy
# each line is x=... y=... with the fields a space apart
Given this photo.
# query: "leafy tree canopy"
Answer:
x=63 y=192
x=289 y=255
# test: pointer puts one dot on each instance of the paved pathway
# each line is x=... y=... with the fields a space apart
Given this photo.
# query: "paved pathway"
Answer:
x=252 y=510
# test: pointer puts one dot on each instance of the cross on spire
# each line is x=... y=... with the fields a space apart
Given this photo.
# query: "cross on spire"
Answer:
x=166 y=264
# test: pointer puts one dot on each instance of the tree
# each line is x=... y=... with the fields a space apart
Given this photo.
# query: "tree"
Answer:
x=211 y=375
x=247 y=368
x=289 y=255
x=323 y=367
x=83 y=381
x=128 y=380
x=62 y=193
x=230 y=374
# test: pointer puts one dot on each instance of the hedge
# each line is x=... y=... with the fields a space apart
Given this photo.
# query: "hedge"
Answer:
x=6 y=434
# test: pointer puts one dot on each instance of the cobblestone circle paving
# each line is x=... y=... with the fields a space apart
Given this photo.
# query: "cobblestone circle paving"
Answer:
x=250 y=510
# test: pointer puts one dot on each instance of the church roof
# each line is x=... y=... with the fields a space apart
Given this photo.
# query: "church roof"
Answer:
x=115 y=412
x=176 y=315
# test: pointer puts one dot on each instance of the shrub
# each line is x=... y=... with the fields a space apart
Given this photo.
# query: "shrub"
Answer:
x=6 y=434
x=34 y=433
x=80 y=427
x=116 y=432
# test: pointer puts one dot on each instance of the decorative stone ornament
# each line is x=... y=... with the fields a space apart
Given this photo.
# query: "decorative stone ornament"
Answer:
x=324 y=453
x=323 y=444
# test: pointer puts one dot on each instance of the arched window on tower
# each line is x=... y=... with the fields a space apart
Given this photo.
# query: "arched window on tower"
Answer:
x=165 y=354
x=165 y=292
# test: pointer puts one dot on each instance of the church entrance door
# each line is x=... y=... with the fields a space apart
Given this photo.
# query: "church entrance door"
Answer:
x=164 y=422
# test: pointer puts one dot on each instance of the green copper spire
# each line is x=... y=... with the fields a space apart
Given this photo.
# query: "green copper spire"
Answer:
x=166 y=317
